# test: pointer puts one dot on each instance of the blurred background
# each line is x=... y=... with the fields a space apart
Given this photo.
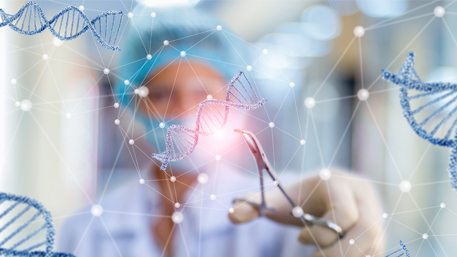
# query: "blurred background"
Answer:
x=67 y=143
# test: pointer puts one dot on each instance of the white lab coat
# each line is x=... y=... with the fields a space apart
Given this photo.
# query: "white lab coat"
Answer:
x=129 y=213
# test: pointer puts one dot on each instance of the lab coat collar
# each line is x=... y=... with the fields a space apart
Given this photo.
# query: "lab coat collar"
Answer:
x=135 y=206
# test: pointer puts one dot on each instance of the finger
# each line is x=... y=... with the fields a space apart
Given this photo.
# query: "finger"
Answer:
x=244 y=211
x=358 y=242
x=343 y=211
x=365 y=234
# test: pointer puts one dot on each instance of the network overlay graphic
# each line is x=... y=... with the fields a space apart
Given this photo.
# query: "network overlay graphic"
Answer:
x=438 y=95
x=411 y=213
x=212 y=116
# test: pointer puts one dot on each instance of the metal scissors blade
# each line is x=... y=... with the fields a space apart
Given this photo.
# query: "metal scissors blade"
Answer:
x=263 y=164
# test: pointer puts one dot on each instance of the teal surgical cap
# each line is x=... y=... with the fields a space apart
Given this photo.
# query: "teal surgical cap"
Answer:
x=201 y=37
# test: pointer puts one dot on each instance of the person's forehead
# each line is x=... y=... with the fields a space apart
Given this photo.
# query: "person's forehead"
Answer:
x=186 y=69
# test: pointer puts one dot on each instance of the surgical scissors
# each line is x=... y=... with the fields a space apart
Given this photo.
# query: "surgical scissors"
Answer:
x=263 y=164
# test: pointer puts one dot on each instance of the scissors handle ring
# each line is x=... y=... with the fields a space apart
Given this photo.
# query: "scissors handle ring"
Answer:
x=313 y=220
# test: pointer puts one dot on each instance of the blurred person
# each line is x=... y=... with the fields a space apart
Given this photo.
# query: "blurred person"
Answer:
x=137 y=218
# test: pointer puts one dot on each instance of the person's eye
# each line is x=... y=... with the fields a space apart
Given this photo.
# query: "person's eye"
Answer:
x=159 y=94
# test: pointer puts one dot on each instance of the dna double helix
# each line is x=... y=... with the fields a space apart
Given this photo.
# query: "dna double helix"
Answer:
x=403 y=251
x=434 y=118
x=211 y=117
x=68 y=24
x=25 y=227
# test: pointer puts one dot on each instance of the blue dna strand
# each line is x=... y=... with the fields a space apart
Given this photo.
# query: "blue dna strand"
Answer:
x=26 y=226
x=211 y=117
x=68 y=24
x=434 y=118
x=400 y=252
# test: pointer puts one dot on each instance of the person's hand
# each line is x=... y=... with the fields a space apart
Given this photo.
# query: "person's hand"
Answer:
x=343 y=199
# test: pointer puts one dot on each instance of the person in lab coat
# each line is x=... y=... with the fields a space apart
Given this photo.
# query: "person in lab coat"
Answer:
x=175 y=60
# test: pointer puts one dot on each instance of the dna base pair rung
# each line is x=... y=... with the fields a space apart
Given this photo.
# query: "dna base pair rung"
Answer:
x=429 y=108
x=211 y=117
x=68 y=24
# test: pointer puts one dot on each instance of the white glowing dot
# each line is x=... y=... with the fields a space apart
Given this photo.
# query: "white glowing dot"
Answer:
x=116 y=105
x=81 y=8
x=359 y=31
x=363 y=94
x=162 y=125
x=302 y=142
x=117 y=121
x=202 y=178
x=439 y=11
x=57 y=42
x=265 y=51
x=177 y=205
x=405 y=186
x=131 y=141
x=68 y=115
x=172 y=178
x=425 y=236
x=249 y=68
x=26 y=105
x=368 y=256
x=325 y=174
x=276 y=183
x=292 y=84
x=219 y=27
x=209 y=97
x=212 y=197
x=130 y=15
x=271 y=124
x=17 y=103
x=141 y=181
x=13 y=81
x=136 y=91
x=310 y=102
x=96 y=210
x=231 y=210
x=385 y=215
x=106 y=70
x=443 y=205
x=177 y=217
x=351 y=241
x=218 y=157
x=45 y=57
x=149 y=56
x=297 y=211
x=183 y=53
x=143 y=91
x=153 y=14
x=165 y=42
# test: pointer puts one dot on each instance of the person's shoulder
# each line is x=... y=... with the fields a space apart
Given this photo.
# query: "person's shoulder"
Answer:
x=122 y=195
x=119 y=196
x=75 y=225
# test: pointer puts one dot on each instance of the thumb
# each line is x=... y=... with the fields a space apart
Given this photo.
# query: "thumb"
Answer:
x=243 y=211
x=277 y=208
